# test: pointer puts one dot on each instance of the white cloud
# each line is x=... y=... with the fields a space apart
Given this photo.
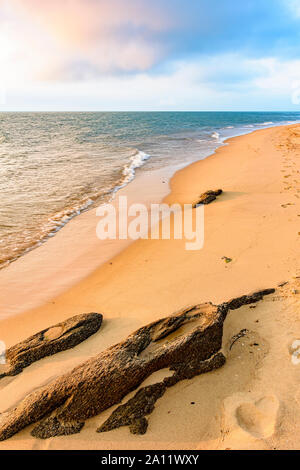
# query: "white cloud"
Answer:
x=227 y=81
x=277 y=76
x=294 y=6
x=74 y=39
x=188 y=85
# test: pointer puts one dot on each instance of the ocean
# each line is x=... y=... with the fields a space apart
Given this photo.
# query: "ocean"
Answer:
x=53 y=166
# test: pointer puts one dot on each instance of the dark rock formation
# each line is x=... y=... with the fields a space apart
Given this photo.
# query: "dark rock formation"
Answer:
x=57 y=338
x=188 y=343
x=133 y=412
x=208 y=197
x=247 y=299
x=139 y=426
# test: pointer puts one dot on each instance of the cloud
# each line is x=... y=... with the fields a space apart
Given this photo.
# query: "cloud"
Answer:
x=294 y=6
x=137 y=54
x=239 y=83
x=83 y=39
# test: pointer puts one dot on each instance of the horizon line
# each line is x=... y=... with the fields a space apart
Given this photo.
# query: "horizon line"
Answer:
x=146 y=111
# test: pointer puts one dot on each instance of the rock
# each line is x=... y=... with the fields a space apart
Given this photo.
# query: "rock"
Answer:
x=58 y=428
x=187 y=343
x=135 y=410
x=57 y=338
x=248 y=299
x=139 y=426
x=208 y=197
x=143 y=403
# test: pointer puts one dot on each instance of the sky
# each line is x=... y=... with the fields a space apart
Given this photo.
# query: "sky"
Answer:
x=140 y=55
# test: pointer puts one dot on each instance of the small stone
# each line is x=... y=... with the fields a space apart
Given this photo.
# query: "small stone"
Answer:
x=208 y=197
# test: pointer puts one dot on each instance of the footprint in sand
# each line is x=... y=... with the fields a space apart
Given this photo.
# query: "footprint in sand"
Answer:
x=259 y=418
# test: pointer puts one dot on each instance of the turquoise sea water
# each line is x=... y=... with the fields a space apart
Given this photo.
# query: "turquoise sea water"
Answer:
x=54 y=165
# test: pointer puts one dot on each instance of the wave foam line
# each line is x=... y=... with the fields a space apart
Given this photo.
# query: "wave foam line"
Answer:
x=136 y=161
x=215 y=135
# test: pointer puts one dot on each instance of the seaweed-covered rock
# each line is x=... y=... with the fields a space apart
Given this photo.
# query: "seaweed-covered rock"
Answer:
x=139 y=426
x=188 y=343
x=208 y=197
x=248 y=299
x=57 y=338
x=133 y=412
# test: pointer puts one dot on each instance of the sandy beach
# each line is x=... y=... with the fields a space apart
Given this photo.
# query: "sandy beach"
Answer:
x=252 y=402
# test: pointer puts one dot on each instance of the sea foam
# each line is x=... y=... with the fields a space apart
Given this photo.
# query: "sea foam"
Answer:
x=215 y=135
x=136 y=161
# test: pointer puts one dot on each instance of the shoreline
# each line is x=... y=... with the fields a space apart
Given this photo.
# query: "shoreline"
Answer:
x=27 y=271
x=78 y=251
x=255 y=223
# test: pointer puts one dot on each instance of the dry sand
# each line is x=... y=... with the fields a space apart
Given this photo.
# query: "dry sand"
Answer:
x=253 y=401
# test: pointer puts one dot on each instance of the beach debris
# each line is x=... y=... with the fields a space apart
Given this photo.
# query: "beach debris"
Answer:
x=188 y=343
x=226 y=259
x=238 y=336
x=282 y=284
x=208 y=197
x=50 y=341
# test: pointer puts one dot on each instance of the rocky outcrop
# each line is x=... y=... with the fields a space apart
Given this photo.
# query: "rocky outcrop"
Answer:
x=133 y=412
x=234 y=304
x=188 y=343
x=57 y=338
x=208 y=197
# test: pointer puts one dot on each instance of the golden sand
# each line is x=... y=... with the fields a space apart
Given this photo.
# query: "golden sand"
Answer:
x=253 y=401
